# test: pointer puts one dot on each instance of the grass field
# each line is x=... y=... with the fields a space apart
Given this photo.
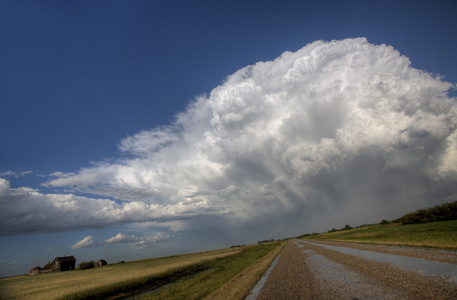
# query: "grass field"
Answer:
x=429 y=235
x=197 y=274
x=63 y=284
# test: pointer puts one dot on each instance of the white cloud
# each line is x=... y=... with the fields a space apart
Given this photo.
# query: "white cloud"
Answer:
x=341 y=130
x=135 y=242
x=120 y=239
x=86 y=242
x=15 y=174
x=146 y=242
x=25 y=210
x=61 y=174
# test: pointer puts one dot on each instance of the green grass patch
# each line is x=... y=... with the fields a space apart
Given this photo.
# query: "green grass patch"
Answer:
x=433 y=235
x=222 y=270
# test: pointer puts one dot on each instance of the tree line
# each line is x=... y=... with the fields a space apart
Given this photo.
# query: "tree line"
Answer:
x=443 y=212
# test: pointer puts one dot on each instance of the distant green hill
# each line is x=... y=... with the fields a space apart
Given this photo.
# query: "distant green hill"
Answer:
x=432 y=235
x=434 y=227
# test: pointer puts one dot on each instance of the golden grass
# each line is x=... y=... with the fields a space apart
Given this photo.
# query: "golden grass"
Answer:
x=242 y=284
x=62 y=284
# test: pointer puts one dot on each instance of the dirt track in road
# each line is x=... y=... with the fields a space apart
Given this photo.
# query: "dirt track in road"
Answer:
x=310 y=271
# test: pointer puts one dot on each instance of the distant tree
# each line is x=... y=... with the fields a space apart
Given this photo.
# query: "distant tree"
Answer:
x=266 y=241
x=444 y=212
x=347 y=227
x=87 y=265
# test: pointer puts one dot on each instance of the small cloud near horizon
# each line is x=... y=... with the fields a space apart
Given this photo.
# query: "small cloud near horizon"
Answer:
x=132 y=240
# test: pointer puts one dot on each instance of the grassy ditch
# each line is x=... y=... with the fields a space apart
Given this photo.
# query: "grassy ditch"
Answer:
x=429 y=235
x=240 y=286
x=222 y=271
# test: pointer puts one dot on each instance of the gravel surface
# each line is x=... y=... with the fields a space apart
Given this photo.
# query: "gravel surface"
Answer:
x=291 y=278
x=429 y=254
x=309 y=271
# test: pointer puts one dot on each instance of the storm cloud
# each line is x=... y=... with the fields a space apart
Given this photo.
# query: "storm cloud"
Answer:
x=337 y=132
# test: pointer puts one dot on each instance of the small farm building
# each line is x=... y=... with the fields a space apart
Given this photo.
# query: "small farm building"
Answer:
x=35 y=271
x=65 y=263
x=101 y=262
x=47 y=268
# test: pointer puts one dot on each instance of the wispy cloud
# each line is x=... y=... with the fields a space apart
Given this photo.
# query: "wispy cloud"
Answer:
x=60 y=174
x=15 y=174
x=341 y=130
x=135 y=242
x=86 y=242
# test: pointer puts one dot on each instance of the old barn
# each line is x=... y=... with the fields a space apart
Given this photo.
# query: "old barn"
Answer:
x=65 y=263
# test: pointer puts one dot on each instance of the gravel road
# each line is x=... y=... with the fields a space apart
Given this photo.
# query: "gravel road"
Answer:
x=320 y=270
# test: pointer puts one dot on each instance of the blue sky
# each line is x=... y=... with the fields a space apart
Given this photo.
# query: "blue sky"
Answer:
x=111 y=103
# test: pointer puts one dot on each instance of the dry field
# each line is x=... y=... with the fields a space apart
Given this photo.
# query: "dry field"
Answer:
x=61 y=284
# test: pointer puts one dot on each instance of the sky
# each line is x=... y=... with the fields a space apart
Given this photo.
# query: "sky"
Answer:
x=139 y=129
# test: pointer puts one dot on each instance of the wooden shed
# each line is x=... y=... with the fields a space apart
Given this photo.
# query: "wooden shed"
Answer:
x=101 y=262
x=65 y=263
x=35 y=271
x=47 y=268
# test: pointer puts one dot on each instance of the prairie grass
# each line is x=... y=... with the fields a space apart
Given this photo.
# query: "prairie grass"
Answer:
x=429 y=235
x=64 y=284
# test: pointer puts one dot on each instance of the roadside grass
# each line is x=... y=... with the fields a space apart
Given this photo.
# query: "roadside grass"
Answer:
x=240 y=286
x=223 y=270
x=80 y=283
x=429 y=235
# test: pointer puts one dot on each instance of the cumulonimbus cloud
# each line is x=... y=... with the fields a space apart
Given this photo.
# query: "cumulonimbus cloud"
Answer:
x=342 y=130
